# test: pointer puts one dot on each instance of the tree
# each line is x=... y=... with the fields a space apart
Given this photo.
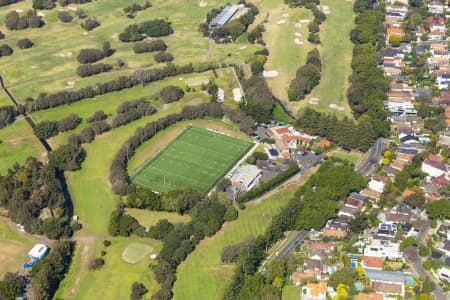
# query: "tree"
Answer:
x=65 y=16
x=359 y=224
x=346 y=277
x=46 y=129
x=163 y=57
x=416 y=200
x=5 y=50
x=235 y=28
x=313 y=27
x=427 y=285
x=230 y=254
x=408 y=242
x=90 y=24
x=24 y=43
x=171 y=94
x=439 y=210
x=137 y=291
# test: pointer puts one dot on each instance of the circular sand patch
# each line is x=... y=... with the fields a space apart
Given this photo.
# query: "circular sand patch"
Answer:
x=202 y=4
x=285 y=15
x=314 y=101
x=281 y=22
x=298 y=34
x=298 y=25
x=336 y=107
x=298 y=42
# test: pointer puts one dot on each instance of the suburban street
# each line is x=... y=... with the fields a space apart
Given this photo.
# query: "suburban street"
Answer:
x=417 y=262
x=374 y=153
x=297 y=238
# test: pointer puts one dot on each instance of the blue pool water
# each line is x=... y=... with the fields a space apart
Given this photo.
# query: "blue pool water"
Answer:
x=409 y=281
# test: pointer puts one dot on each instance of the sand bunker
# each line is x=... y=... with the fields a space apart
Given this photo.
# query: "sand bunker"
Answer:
x=19 y=11
x=314 y=101
x=68 y=54
x=326 y=10
x=153 y=256
x=40 y=14
x=72 y=8
x=237 y=95
x=270 y=74
x=115 y=36
x=304 y=21
x=298 y=25
x=34 y=67
x=70 y=85
x=298 y=42
x=202 y=4
x=285 y=15
x=298 y=34
x=281 y=22
x=85 y=33
x=243 y=48
x=337 y=107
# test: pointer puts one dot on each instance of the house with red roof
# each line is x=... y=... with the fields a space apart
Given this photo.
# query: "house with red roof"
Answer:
x=372 y=262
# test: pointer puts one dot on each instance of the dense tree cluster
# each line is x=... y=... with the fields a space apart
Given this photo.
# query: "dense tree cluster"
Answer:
x=153 y=28
x=121 y=224
x=68 y=2
x=137 y=291
x=48 y=129
x=207 y=218
x=89 y=24
x=344 y=132
x=87 y=70
x=171 y=94
x=33 y=195
x=302 y=3
x=439 y=210
x=44 y=4
x=149 y=46
x=48 y=274
x=313 y=204
x=24 y=43
x=264 y=187
x=91 y=55
x=129 y=111
x=5 y=50
x=368 y=85
x=130 y=10
x=142 y=76
x=7 y=2
x=307 y=77
x=7 y=115
x=30 y=20
x=12 y=286
x=162 y=56
x=258 y=102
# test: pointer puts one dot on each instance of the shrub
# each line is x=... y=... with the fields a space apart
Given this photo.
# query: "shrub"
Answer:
x=97 y=263
x=24 y=43
x=153 y=28
x=43 y=4
x=68 y=123
x=90 y=55
x=137 y=291
x=313 y=27
x=97 y=116
x=15 y=22
x=171 y=94
x=65 y=16
x=145 y=46
x=5 y=50
x=314 y=38
x=163 y=57
x=87 y=70
x=90 y=24
x=2 y=35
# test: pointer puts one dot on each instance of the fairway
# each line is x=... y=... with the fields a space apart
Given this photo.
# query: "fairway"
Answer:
x=198 y=158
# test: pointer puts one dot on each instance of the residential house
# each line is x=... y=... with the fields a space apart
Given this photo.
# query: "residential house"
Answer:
x=444 y=140
x=386 y=282
x=283 y=148
x=315 y=291
x=372 y=262
x=437 y=23
x=351 y=207
x=390 y=171
x=444 y=273
x=377 y=184
x=383 y=248
x=321 y=249
x=372 y=296
x=400 y=107
x=443 y=81
x=398 y=2
x=393 y=33
x=435 y=168
x=436 y=7
x=336 y=228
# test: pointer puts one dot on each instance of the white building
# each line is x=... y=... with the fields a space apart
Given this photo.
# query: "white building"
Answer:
x=400 y=107
x=39 y=251
x=383 y=249
x=377 y=184
x=434 y=168
x=220 y=95
x=443 y=81
x=444 y=274
x=246 y=177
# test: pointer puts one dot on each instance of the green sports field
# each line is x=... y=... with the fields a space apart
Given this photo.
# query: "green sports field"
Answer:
x=198 y=158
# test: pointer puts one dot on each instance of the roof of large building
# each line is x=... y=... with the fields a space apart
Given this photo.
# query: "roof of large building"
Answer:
x=38 y=251
x=385 y=276
x=373 y=262
x=364 y=296
x=245 y=175
x=225 y=15
x=317 y=289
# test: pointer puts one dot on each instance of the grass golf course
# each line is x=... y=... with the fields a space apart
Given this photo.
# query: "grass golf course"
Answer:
x=202 y=275
x=50 y=65
x=114 y=280
x=14 y=248
x=148 y=218
x=197 y=158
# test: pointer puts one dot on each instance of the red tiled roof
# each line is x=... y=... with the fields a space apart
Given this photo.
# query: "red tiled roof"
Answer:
x=436 y=164
x=435 y=20
x=355 y=203
x=282 y=130
x=387 y=288
x=363 y=296
x=440 y=181
x=321 y=246
x=397 y=218
x=373 y=262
